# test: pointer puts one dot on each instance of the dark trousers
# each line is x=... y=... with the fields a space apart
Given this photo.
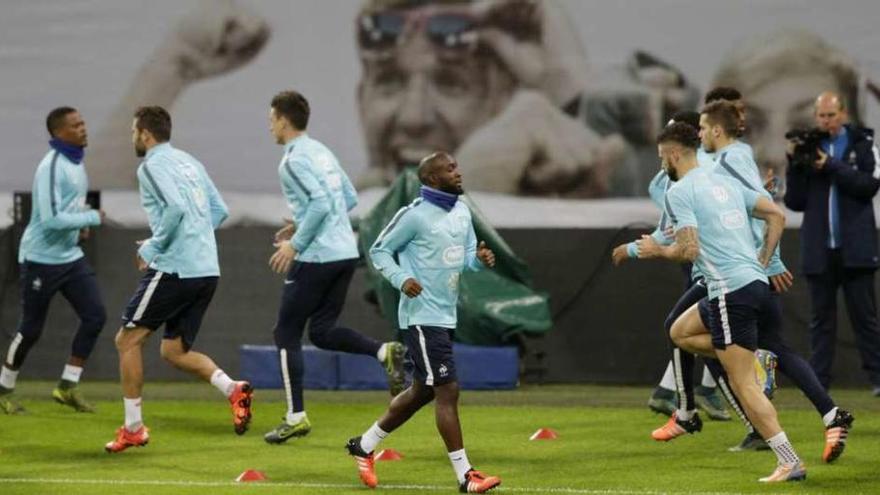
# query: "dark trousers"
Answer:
x=861 y=305
x=314 y=293
x=39 y=283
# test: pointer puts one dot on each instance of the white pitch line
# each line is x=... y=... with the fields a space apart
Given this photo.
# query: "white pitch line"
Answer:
x=509 y=489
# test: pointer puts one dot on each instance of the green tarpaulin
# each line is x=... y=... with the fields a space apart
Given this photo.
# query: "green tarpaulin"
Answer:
x=494 y=304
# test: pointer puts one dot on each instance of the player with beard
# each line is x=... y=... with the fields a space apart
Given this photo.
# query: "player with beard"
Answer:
x=709 y=215
x=181 y=272
x=433 y=240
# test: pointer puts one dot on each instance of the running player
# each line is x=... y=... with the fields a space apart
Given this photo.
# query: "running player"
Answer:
x=51 y=261
x=718 y=124
x=433 y=239
x=180 y=274
x=322 y=243
x=709 y=214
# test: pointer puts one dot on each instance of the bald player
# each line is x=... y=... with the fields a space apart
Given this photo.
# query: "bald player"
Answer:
x=433 y=239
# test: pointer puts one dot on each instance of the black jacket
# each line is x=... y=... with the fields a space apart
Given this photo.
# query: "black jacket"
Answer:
x=858 y=178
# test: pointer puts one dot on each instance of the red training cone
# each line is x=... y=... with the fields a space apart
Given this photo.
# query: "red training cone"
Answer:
x=388 y=455
x=251 y=475
x=544 y=434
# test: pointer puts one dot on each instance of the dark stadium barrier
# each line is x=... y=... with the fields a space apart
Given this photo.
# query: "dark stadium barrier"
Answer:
x=607 y=321
x=478 y=368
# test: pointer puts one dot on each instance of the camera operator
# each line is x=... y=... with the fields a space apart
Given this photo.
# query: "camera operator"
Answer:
x=833 y=174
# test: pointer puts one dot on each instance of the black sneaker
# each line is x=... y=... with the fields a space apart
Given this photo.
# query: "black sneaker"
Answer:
x=835 y=435
x=752 y=441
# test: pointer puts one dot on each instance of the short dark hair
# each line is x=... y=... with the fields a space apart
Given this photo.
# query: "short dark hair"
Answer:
x=722 y=93
x=155 y=119
x=55 y=119
x=294 y=107
x=680 y=133
x=726 y=114
x=689 y=117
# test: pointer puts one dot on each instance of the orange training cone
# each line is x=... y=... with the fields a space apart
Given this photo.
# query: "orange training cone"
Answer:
x=388 y=455
x=251 y=475
x=544 y=434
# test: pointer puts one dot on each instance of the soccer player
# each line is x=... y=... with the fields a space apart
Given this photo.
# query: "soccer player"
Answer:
x=705 y=396
x=709 y=214
x=433 y=240
x=663 y=399
x=718 y=129
x=51 y=260
x=180 y=270
x=318 y=252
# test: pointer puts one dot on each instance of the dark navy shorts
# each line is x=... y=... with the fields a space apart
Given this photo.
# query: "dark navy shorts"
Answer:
x=178 y=303
x=733 y=318
x=430 y=349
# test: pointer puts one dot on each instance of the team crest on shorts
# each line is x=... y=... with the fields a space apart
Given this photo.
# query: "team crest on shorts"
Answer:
x=443 y=370
x=37 y=284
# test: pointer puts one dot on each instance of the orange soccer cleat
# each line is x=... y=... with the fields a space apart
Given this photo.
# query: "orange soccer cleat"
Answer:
x=675 y=428
x=365 y=463
x=125 y=439
x=835 y=435
x=240 y=401
x=477 y=482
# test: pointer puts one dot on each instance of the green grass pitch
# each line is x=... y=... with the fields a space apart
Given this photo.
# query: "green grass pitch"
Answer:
x=604 y=445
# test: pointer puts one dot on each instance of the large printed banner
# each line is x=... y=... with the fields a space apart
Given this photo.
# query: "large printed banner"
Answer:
x=541 y=98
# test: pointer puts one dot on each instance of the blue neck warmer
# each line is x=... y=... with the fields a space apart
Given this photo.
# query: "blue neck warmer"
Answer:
x=71 y=152
x=442 y=199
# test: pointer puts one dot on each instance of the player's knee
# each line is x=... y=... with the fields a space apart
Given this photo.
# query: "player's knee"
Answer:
x=422 y=393
x=447 y=393
x=677 y=334
x=95 y=319
x=320 y=337
x=171 y=350
x=124 y=340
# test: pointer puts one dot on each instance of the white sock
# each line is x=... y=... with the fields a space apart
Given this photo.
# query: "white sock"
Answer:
x=828 y=418
x=133 y=418
x=293 y=418
x=371 y=438
x=684 y=414
x=383 y=352
x=460 y=464
x=8 y=378
x=708 y=381
x=71 y=373
x=668 y=380
x=222 y=381
x=785 y=453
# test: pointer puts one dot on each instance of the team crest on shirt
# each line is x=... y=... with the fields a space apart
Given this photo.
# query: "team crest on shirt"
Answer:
x=720 y=194
x=453 y=255
x=733 y=219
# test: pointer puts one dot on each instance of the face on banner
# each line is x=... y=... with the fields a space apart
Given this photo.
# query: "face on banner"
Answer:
x=426 y=84
x=780 y=75
x=504 y=85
